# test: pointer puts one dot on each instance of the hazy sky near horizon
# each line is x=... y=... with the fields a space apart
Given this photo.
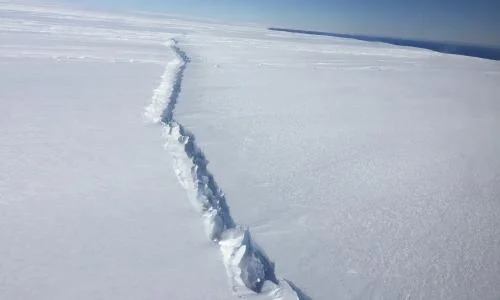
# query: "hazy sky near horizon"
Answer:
x=467 y=21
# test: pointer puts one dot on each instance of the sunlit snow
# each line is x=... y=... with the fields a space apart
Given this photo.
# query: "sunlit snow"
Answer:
x=143 y=156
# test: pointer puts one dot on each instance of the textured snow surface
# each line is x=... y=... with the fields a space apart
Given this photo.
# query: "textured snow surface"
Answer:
x=365 y=170
x=338 y=169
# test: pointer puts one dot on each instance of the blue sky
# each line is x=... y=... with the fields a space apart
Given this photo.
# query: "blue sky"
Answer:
x=467 y=21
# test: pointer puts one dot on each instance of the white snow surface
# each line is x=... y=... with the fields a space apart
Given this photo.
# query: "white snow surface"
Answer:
x=319 y=167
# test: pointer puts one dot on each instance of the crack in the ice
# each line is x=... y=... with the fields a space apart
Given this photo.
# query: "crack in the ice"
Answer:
x=246 y=263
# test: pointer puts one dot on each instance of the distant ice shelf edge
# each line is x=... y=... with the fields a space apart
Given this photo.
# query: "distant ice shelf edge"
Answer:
x=248 y=268
x=491 y=53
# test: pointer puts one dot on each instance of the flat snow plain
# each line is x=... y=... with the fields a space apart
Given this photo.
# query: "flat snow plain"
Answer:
x=362 y=170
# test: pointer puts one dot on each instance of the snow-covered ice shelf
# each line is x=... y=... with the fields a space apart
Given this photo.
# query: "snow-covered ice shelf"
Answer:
x=361 y=170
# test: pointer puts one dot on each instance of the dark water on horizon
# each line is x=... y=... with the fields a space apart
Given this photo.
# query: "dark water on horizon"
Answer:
x=452 y=48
